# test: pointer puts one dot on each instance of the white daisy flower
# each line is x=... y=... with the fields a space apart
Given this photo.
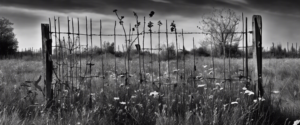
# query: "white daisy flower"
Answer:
x=234 y=102
x=116 y=98
x=297 y=122
x=154 y=94
x=261 y=99
x=255 y=100
x=249 y=92
x=275 y=92
x=201 y=85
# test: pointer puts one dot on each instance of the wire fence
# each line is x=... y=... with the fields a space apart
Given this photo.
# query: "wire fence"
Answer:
x=71 y=65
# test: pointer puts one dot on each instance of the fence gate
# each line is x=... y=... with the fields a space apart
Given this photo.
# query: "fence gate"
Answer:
x=70 y=66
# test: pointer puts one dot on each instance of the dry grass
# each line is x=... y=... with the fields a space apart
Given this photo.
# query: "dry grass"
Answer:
x=184 y=104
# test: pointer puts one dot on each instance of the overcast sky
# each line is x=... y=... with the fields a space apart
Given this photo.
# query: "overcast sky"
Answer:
x=281 y=18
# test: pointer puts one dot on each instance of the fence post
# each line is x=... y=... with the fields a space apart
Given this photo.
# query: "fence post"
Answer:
x=246 y=58
x=47 y=61
x=257 y=54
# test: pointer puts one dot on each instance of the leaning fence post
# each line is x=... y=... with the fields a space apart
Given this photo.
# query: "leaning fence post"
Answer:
x=257 y=54
x=47 y=61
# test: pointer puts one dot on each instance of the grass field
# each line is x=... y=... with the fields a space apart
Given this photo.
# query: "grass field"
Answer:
x=177 y=101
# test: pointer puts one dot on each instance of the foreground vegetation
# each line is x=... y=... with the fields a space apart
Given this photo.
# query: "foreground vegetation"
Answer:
x=175 y=102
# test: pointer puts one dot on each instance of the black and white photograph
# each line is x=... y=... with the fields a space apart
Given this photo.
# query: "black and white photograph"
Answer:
x=149 y=62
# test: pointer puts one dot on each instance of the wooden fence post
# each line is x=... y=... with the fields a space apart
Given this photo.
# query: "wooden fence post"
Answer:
x=47 y=62
x=257 y=54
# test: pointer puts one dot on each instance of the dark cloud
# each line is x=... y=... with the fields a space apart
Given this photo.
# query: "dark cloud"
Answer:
x=276 y=14
x=277 y=6
x=186 y=8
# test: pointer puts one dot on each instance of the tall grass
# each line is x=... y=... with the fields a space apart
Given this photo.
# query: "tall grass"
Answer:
x=176 y=102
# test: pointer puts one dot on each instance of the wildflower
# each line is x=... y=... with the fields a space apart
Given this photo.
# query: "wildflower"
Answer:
x=217 y=84
x=123 y=103
x=244 y=88
x=204 y=66
x=297 y=122
x=93 y=96
x=221 y=88
x=112 y=76
x=224 y=106
x=199 y=77
x=175 y=70
x=261 y=99
x=201 y=85
x=65 y=92
x=275 y=92
x=116 y=98
x=151 y=13
x=165 y=73
x=234 y=102
x=211 y=96
x=154 y=94
x=249 y=92
x=255 y=100
x=78 y=123
x=140 y=105
x=133 y=96
x=63 y=105
x=77 y=94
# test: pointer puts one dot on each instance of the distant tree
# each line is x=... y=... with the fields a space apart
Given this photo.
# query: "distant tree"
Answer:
x=171 y=50
x=110 y=47
x=201 y=51
x=279 y=52
x=293 y=51
x=273 y=50
x=8 y=42
x=233 y=50
x=98 y=50
x=220 y=26
x=184 y=51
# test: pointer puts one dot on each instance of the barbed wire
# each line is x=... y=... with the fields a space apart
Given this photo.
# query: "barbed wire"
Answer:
x=154 y=32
